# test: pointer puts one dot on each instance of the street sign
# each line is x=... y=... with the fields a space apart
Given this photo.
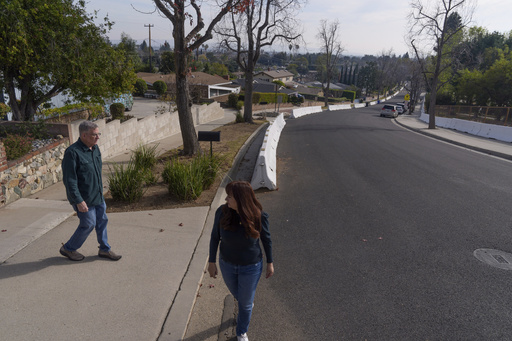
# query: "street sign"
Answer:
x=407 y=97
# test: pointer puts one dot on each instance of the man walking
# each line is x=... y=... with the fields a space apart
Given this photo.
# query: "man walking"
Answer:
x=81 y=168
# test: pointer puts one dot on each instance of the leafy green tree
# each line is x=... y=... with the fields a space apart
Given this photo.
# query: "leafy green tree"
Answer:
x=368 y=77
x=140 y=87
x=50 y=47
x=165 y=47
x=167 y=62
x=219 y=69
x=498 y=82
x=129 y=47
x=468 y=87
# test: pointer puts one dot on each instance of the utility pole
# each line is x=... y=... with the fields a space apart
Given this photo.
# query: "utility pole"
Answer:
x=149 y=25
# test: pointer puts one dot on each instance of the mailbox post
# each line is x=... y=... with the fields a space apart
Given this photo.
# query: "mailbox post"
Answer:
x=209 y=136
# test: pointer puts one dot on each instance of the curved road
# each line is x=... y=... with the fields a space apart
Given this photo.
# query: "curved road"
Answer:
x=374 y=229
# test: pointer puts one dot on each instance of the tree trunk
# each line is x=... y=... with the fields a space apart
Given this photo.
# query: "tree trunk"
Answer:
x=326 y=94
x=183 y=101
x=432 y=106
x=248 y=95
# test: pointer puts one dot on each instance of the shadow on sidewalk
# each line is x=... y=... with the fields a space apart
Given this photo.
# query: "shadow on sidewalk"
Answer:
x=214 y=331
x=21 y=269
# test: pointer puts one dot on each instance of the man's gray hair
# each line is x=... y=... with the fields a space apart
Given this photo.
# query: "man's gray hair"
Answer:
x=86 y=126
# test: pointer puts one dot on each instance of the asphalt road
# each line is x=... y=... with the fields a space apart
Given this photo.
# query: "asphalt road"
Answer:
x=374 y=229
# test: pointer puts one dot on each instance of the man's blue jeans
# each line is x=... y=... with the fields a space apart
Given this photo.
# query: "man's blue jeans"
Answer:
x=96 y=217
x=242 y=281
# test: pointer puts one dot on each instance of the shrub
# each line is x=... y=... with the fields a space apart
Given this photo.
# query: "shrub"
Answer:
x=117 y=111
x=126 y=184
x=4 y=109
x=239 y=118
x=233 y=100
x=239 y=105
x=144 y=157
x=188 y=180
x=350 y=95
x=296 y=100
x=256 y=96
x=160 y=87
x=140 y=87
x=16 y=146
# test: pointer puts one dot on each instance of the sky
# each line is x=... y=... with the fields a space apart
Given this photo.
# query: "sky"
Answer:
x=367 y=26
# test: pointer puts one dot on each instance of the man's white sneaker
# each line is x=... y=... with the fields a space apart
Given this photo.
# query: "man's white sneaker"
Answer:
x=242 y=337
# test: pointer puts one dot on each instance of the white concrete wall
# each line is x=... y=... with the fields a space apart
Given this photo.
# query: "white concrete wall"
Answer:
x=117 y=137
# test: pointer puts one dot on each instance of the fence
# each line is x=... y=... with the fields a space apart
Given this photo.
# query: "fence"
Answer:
x=489 y=115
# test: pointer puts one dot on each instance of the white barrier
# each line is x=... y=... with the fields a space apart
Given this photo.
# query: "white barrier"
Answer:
x=500 y=133
x=264 y=174
x=492 y=131
x=305 y=111
x=373 y=103
x=340 y=107
x=359 y=105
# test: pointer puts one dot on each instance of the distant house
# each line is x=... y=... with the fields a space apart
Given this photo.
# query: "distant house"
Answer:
x=202 y=85
x=264 y=87
x=270 y=76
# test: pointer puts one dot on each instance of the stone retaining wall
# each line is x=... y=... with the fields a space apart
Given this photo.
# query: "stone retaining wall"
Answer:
x=32 y=172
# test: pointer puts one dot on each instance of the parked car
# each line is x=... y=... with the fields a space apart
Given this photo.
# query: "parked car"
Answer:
x=402 y=108
x=126 y=99
x=389 y=110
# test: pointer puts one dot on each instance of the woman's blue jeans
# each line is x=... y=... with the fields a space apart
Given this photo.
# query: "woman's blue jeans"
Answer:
x=242 y=281
x=96 y=217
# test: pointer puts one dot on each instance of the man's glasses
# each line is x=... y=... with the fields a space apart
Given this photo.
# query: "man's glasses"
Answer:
x=95 y=135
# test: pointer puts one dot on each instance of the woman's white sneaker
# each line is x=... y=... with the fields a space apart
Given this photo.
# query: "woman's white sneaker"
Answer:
x=242 y=337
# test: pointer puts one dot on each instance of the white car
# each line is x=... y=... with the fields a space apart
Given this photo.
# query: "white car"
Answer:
x=402 y=108
x=389 y=110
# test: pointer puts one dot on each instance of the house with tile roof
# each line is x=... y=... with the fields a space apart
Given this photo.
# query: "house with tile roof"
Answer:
x=270 y=76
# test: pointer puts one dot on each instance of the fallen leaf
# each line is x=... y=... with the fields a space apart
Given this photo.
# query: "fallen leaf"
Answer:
x=380 y=238
x=364 y=240
x=150 y=214
x=162 y=230
x=4 y=230
x=211 y=286
x=181 y=224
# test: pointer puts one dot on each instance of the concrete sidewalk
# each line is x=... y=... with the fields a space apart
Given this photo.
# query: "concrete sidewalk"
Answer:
x=476 y=143
x=147 y=295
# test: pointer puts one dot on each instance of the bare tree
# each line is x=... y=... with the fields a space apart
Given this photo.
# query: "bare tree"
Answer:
x=386 y=76
x=434 y=26
x=261 y=24
x=329 y=36
x=415 y=83
x=185 y=42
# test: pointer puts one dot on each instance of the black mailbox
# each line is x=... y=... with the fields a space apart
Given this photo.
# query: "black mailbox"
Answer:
x=208 y=135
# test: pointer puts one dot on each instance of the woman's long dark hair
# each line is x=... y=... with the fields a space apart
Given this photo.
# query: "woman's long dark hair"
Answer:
x=249 y=209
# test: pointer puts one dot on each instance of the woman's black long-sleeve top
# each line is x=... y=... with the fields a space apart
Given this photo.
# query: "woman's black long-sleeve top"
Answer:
x=235 y=246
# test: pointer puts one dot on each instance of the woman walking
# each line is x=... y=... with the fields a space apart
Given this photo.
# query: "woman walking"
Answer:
x=239 y=226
